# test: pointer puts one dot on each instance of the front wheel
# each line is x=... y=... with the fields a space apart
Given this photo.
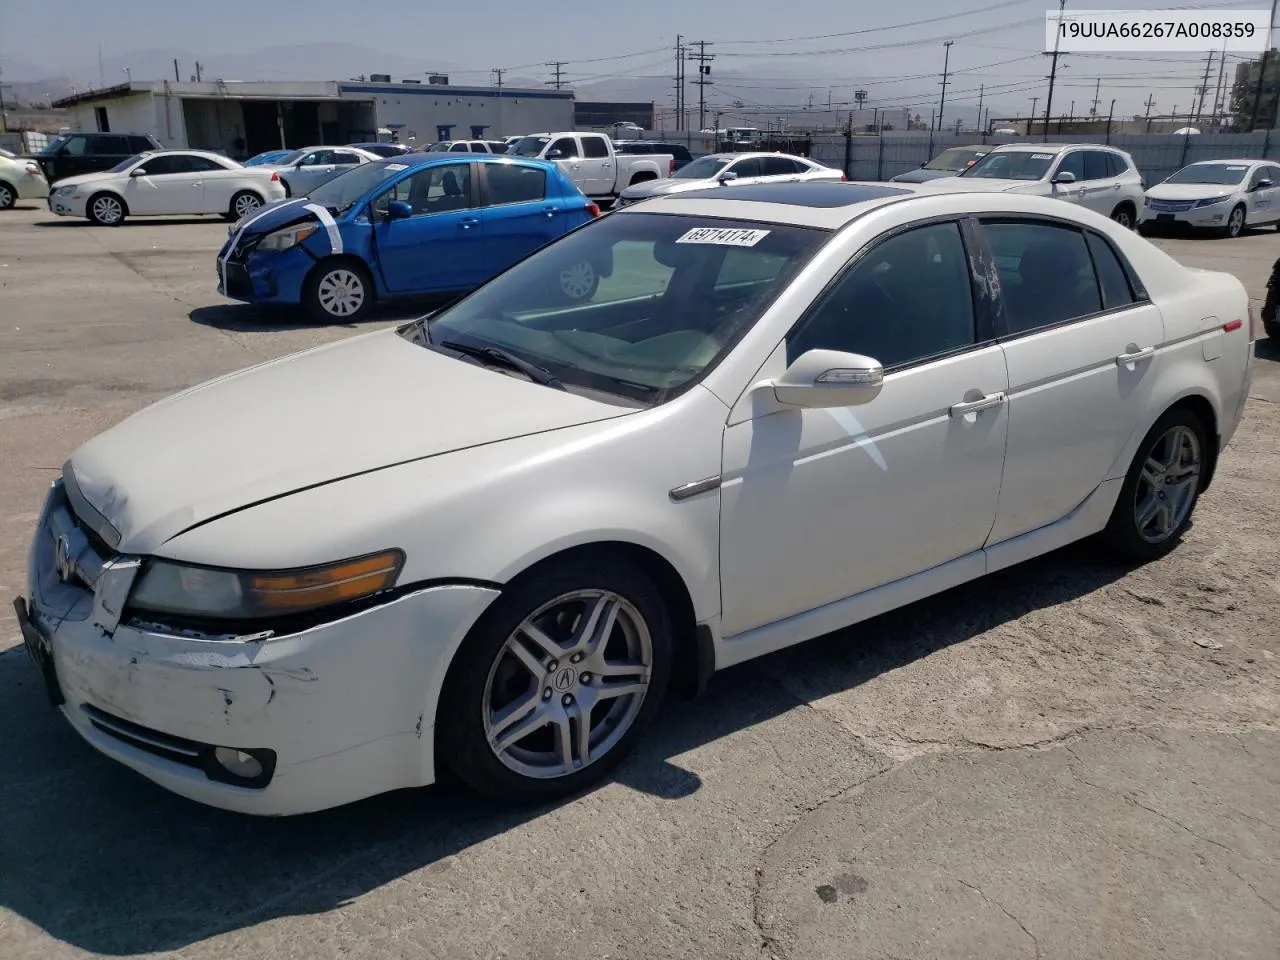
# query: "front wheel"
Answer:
x=106 y=210
x=1235 y=223
x=556 y=680
x=1161 y=489
x=1124 y=216
x=338 y=291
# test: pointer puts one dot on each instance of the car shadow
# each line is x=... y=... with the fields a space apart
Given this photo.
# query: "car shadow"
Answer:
x=266 y=318
x=129 y=222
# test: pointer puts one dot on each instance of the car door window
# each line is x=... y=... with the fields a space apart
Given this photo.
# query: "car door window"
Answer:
x=1112 y=277
x=1046 y=273
x=1117 y=164
x=139 y=144
x=347 y=158
x=442 y=188
x=776 y=167
x=75 y=147
x=162 y=165
x=106 y=146
x=1259 y=175
x=317 y=158
x=746 y=168
x=511 y=183
x=595 y=148
x=202 y=164
x=567 y=146
x=1097 y=165
x=907 y=299
x=459 y=148
x=1072 y=163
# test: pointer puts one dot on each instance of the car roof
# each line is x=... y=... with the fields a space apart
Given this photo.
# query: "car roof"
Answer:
x=1233 y=162
x=1051 y=147
x=184 y=152
x=420 y=159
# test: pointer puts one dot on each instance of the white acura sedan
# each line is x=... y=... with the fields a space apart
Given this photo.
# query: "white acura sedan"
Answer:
x=167 y=182
x=493 y=538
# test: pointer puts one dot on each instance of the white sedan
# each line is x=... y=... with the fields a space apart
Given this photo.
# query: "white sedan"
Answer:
x=166 y=182
x=730 y=169
x=1225 y=196
x=20 y=180
x=774 y=417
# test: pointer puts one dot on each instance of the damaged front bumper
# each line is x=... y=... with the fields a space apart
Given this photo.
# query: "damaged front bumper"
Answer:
x=337 y=712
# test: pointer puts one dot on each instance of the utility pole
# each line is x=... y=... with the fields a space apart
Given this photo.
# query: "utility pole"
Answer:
x=558 y=66
x=4 y=116
x=1262 y=76
x=1110 y=114
x=177 y=77
x=1151 y=102
x=497 y=73
x=704 y=70
x=1031 y=119
x=1203 y=88
x=981 y=91
x=946 y=63
x=102 y=76
x=1217 y=94
x=679 y=82
x=1053 y=71
x=1093 y=109
x=199 y=71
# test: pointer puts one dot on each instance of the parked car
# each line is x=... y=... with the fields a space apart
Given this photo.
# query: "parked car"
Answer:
x=269 y=156
x=946 y=164
x=592 y=163
x=424 y=223
x=20 y=179
x=492 y=539
x=166 y=182
x=72 y=154
x=1098 y=177
x=1226 y=196
x=678 y=151
x=301 y=171
x=382 y=149
x=467 y=146
x=731 y=170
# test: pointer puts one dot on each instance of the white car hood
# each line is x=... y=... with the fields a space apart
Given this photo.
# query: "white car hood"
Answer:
x=301 y=421
x=1190 y=191
x=86 y=178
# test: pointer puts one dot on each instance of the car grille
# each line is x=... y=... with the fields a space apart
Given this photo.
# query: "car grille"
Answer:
x=176 y=749
x=237 y=279
x=1172 y=206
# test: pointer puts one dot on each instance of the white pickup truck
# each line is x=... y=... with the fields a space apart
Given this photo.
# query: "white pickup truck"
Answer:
x=589 y=160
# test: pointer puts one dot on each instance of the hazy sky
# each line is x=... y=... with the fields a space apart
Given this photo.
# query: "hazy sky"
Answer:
x=998 y=48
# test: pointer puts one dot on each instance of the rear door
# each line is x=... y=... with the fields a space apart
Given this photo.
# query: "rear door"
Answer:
x=1080 y=340
x=517 y=214
x=778 y=170
x=218 y=184
x=598 y=173
x=1101 y=188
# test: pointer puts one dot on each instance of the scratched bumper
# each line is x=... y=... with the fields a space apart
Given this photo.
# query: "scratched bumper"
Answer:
x=347 y=707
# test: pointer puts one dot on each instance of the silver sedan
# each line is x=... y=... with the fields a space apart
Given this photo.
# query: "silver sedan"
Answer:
x=304 y=170
x=731 y=169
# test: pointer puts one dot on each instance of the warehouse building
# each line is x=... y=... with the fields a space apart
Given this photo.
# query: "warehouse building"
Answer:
x=241 y=118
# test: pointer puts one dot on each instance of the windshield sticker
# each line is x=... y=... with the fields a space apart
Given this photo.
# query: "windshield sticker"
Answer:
x=1042 y=156
x=397 y=166
x=1237 y=169
x=724 y=237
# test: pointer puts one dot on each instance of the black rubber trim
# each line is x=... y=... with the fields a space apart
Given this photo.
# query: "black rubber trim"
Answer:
x=705 y=659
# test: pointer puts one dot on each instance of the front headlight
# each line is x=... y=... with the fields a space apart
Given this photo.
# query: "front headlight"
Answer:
x=1210 y=201
x=172 y=588
x=288 y=237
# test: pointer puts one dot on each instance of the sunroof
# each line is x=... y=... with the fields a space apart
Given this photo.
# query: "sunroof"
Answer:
x=814 y=194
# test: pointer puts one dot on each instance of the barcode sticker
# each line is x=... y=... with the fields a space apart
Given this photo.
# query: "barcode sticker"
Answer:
x=397 y=166
x=724 y=237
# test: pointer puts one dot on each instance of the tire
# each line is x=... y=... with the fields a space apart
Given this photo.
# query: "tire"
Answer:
x=1126 y=533
x=1125 y=216
x=288 y=191
x=488 y=687
x=579 y=281
x=106 y=210
x=8 y=196
x=242 y=204
x=1235 y=223
x=338 y=291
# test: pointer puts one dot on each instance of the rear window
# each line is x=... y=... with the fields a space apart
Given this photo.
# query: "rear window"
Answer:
x=512 y=183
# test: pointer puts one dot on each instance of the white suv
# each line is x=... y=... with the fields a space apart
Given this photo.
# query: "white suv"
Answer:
x=1100 y=178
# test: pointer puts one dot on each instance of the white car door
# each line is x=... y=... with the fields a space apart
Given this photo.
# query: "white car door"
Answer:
x=597 y=165
x=1071 y=162
x=822 y=504
x=565 y=154
x=165 y=184
x=219 y=183
x=1081 y=341
x=1262 y=195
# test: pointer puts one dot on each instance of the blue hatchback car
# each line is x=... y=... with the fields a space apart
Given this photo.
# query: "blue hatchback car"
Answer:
x=405 y=226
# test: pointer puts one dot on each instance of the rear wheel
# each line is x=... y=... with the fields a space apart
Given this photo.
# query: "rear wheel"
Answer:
x=1160 y=491
x=338 y=290
x=106 y=210
x=8 y=196
x=242 y=204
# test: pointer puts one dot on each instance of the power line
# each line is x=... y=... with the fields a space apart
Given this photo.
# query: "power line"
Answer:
x=558 y=66
x=893 y=26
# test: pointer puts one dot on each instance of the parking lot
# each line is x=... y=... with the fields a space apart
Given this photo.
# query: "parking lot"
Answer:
x=1067 y=759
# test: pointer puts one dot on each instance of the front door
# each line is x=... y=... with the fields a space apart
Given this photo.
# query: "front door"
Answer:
x=1075 y=192
x=598 y=173
x=518 y=216
x=311 y=171
x=1081 y=346
x=569 y=160
x=820 y=505
x=441 y=246
x=168 y=185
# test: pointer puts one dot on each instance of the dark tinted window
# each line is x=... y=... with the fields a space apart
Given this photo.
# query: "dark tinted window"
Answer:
x=165 y=163
x=1117 y=164
x=139 y=144
x=595 y=147
x=1097 y=165
x=746 y=168
x=479 y=148
x=567 y=146
x=1046 y=273
x=1258 y=175
x=1072 y=163
x=108 y=145
x=345 y=158
x=909 y=298
x=509 y=183
x=1273 y=174
x=1111 y=275
x=201 y=164
x=776 y=166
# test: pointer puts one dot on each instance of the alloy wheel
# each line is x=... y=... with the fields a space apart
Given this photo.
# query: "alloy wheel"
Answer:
x=1235 y=223
x=246 y=204
x=341 y=292
x=1168 y=484
x=1123 y=218
x=6 y=197
x=107 y=210
x=567 y=684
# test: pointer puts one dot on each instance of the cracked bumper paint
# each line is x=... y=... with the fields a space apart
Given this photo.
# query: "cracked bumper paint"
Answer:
x=348 y=707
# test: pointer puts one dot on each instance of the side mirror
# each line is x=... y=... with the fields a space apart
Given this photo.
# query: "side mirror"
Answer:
x=138 y=172
x=1262 y=184
x=1065 y=176
x=829 y=378
x=554 y=154
x=727 y=176
x=398 y=210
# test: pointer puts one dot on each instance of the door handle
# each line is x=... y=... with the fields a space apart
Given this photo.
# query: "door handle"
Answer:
x=550 y=211
x=1127 y=358
x=977 y=406
x=468 y=223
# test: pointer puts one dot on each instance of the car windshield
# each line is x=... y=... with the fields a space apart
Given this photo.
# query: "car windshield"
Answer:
x=704 y=168
x=528 y=146
x=124 y=165
x=1223 y=174
x=1011 y=165
x=955 y=159
x=636 y=306
x=346 y=188
x=293 y=156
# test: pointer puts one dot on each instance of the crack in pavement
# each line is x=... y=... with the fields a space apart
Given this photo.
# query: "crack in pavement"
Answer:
x=999 y=906
x=1254 y=889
